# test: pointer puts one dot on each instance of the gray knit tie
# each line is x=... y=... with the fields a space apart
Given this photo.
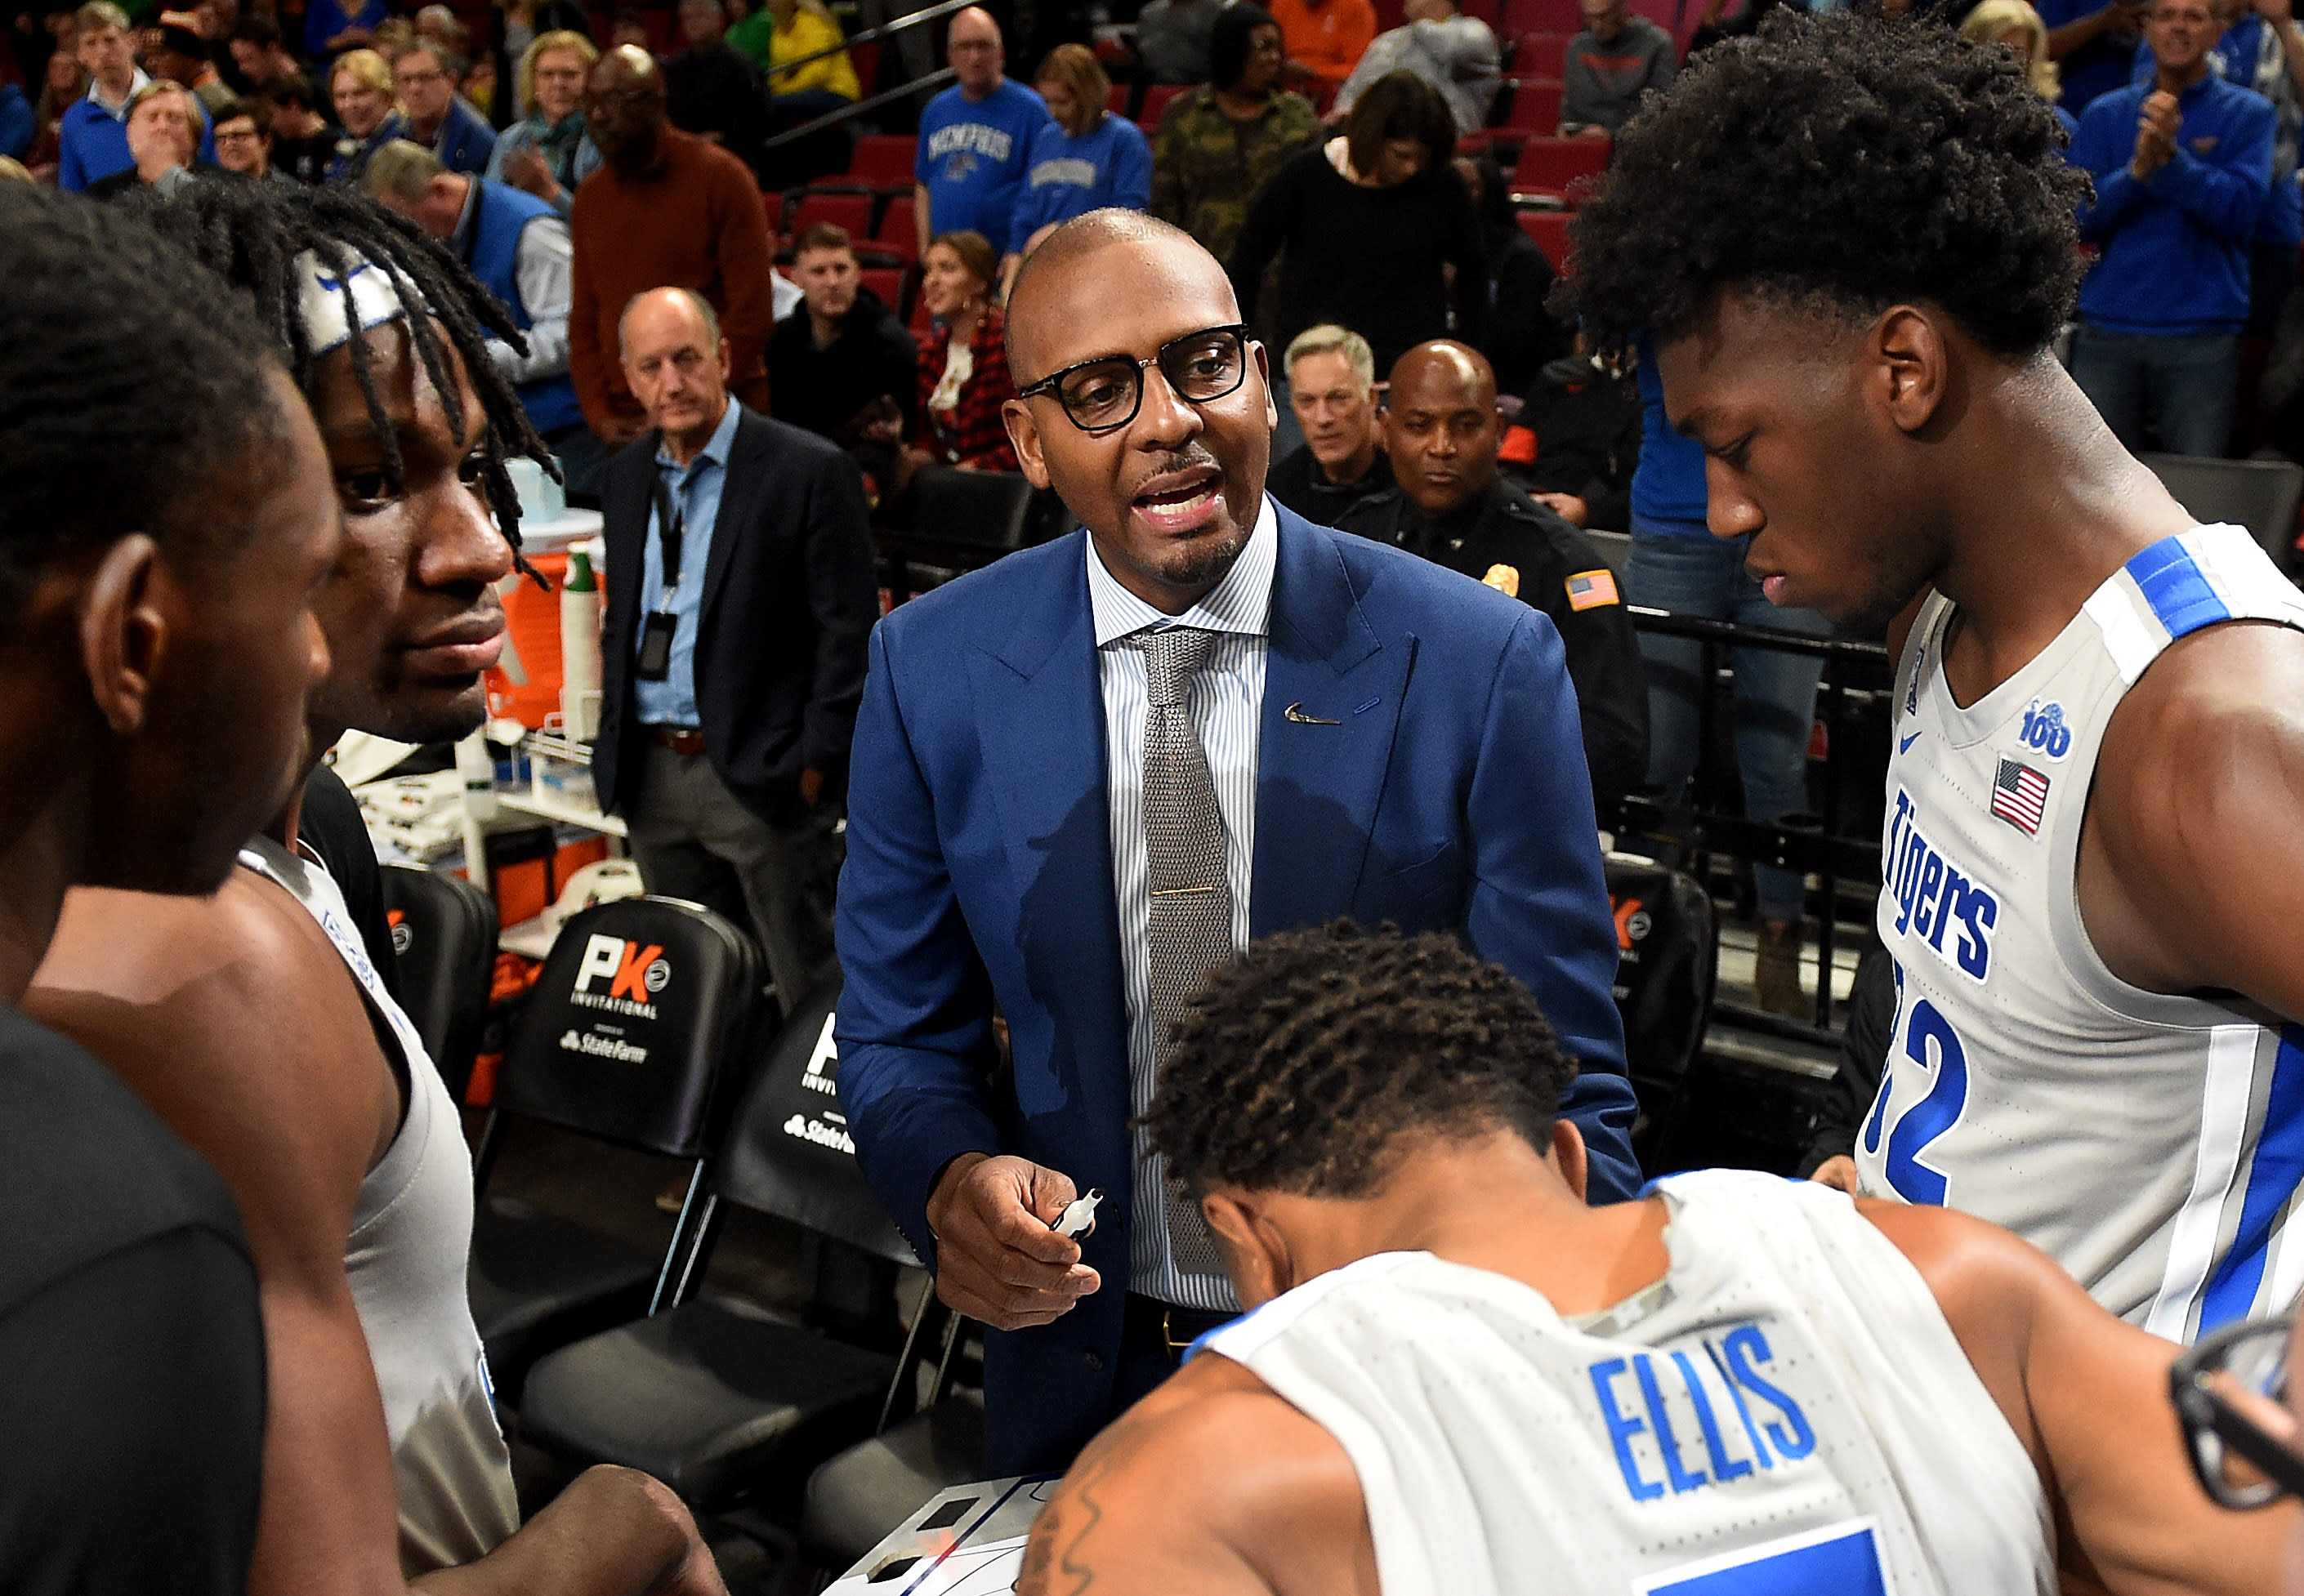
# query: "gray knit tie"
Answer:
x=1190 y=932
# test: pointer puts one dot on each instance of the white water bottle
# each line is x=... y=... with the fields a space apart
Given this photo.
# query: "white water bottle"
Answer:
x=580 y=649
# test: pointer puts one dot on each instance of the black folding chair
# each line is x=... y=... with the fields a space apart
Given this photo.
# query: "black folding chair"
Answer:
x=443 y=948
x=1668 y=958
x=721 y=1403
x=635 y=1035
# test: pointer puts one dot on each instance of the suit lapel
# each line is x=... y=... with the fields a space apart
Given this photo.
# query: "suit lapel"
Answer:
x=740 y=487
x=1040 y=719
x=1320 y=776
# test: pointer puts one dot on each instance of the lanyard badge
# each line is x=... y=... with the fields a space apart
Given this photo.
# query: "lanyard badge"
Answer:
x=654 y=661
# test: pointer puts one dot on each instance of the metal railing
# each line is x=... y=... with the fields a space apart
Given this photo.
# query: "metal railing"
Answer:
x=1816 y=844
x=934 y=80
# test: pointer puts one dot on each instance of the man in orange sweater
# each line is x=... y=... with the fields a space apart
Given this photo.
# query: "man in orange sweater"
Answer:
x=1326 y=39
x=665 y=210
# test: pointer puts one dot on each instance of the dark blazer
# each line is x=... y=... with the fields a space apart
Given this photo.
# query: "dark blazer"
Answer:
x=789 y=599
x=1452 y=793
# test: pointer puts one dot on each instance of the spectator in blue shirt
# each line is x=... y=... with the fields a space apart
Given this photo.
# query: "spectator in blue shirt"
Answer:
x=2091 y=42
x=424 y=77
x=17 y=123
x=332 y=27
x=92 y=139
x=1084 y=160
x=975 y=138
x=2183 y=171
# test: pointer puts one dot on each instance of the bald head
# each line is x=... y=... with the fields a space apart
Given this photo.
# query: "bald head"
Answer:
x=1046 y=332
x=1442 y=428
x=677 y=365
x=1171 y=480
x=972 y=47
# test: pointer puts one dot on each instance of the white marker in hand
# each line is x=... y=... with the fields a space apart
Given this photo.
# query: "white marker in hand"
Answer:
x=1077 y=1216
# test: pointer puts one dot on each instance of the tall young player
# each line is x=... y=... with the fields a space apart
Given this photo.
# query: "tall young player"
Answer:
x=1852 y=242
x=1461 y=1381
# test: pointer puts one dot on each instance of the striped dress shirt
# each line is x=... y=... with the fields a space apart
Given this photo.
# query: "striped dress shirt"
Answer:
x=1226 y=704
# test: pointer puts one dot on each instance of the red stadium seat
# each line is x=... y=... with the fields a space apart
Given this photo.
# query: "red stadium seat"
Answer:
x=884 y=160
x=888 y=283
x=1549 y=229
x=896 y=236
x=851 y=211
x=1541 y=55
x=1156 y=101
x=1554 y=165
x=1115 y=99
x=1535 y=106
x=774 y=204
x=1564 y=17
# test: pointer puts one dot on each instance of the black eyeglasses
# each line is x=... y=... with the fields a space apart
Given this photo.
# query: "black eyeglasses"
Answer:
x=1102 y=394
x=2226 y=1389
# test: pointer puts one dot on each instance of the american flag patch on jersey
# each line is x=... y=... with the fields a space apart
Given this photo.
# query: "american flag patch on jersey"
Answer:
x=2020 y=796
x=1589 y=589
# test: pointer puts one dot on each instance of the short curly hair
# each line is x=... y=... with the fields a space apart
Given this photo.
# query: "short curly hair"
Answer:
x=1309 y=1064
x=1842 y=161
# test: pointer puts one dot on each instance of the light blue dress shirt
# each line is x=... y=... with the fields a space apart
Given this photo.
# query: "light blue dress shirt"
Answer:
x=696 y=490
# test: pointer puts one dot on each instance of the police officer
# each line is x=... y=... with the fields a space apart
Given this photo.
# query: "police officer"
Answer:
x=1442 y=433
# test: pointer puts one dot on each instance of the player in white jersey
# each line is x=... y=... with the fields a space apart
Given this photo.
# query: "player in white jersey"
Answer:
x=255 y=1024
x=1456 y=1379
x=2094 y=834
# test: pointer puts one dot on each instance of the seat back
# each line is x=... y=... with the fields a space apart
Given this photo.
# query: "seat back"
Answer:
x=1535 y=106
x=2260 y=495
x=1556 y=165
x=1667 y=952
x=444 y=954
x=987 y=509
x=1549 y=229
x=789 y=1153
x=645 y=1011
x=896 y=235
x=852 y=213
x=1542 y=54
x=884 y=160
x=1155 y=102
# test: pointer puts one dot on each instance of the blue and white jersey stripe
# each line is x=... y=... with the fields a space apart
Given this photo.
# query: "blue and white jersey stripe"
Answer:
x=1227 y=706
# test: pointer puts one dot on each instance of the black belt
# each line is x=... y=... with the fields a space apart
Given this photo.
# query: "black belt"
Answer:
x=1149 y=1319
x=679 y=740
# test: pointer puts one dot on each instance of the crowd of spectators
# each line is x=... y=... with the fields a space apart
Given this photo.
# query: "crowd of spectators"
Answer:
x=1357 y=181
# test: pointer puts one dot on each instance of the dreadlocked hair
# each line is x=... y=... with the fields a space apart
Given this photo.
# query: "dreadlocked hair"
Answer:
x=130 y=383
x=251 y=235
x=1840 y=164
x=1309 y=1064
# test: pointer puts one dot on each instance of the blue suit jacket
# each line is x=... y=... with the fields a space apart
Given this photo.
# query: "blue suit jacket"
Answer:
x=1452 y=794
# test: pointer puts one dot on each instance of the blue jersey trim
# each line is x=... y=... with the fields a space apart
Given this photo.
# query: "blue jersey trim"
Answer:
x=2273 y=1178
x=2180 y=597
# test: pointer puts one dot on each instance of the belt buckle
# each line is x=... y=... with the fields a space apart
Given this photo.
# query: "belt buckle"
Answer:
x=1176 y=1349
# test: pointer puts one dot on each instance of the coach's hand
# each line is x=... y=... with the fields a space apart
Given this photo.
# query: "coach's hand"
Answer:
x=997 y=1259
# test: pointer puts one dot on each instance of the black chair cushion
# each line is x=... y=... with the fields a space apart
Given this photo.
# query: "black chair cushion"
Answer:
x=789 y=1153
x=537 y=1282
x=1667 y=952
x=444 y=945
x=705 y=1398
x=857 y=1498
x=630 y=1030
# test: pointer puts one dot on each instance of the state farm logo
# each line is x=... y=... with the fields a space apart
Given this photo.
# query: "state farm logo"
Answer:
x=635 y=973
x=602 y=1047
x=822 y=1134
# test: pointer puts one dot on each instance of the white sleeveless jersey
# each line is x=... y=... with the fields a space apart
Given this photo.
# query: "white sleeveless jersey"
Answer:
x=405 y=1259
x=1786 y=1411
x=2152 y=1145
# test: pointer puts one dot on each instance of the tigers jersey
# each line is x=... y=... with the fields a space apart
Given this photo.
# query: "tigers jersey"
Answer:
x=2152 y=1145
x=1786 y=1410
